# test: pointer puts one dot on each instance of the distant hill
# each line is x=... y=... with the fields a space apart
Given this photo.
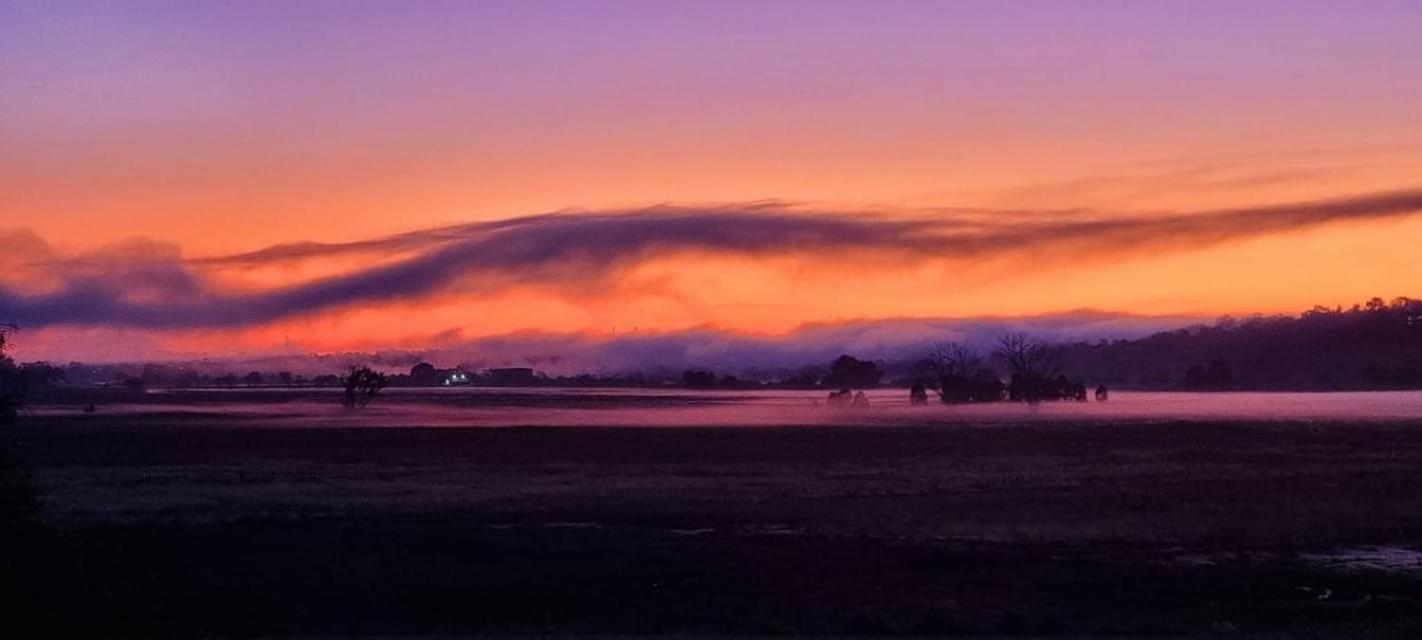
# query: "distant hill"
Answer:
x=1373 y=346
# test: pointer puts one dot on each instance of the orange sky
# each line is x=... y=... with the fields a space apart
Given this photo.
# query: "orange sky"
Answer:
x=217 y=134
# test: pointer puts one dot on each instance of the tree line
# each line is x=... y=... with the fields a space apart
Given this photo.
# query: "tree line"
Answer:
x=1374 y=345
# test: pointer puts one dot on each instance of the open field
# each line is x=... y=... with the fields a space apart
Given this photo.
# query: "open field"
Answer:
x=159 y=524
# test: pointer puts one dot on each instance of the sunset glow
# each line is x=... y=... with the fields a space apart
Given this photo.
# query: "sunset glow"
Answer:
x=745 y=167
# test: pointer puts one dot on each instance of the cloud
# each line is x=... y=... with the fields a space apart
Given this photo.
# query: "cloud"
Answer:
x=894 y=340
x=151 y=286
x=21 y=253
x=891 y=340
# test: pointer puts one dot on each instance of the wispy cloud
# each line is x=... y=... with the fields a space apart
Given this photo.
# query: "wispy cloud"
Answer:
x=149 y=285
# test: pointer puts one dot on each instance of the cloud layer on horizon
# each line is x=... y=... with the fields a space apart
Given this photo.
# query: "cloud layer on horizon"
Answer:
x=887 y=340
x=146 y=284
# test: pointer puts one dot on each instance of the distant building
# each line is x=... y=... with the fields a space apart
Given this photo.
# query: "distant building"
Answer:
x=512 y=377
x=456 y=378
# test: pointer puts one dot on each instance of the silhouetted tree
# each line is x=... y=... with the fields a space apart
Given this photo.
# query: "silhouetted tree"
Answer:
x=1220 y=374
x=12 y=386
x=19 y=496
x=38 y=375
x=252 y=379
x=698 y=379
x=1373 y=345
x=960 y=376
x=424 y=374
x=1217 y=376
x=1195 y=377
x=134 y=384
x=189 y=379
x=949 y=359
x=1034 y=366
x=158 y=375
x=361 y=385
x=848 y=371
x=802 y=380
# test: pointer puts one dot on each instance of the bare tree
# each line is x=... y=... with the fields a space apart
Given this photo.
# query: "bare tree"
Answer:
x=361 y=386
x=1031 y=362
x=961 y=377
x=949 y=359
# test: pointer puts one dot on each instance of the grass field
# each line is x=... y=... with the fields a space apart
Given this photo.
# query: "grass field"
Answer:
x=157 y=527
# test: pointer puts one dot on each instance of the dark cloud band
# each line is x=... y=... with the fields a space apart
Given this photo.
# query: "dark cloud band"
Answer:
x=587 y=249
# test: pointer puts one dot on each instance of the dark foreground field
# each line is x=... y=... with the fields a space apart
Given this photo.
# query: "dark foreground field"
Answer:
x=155 y=529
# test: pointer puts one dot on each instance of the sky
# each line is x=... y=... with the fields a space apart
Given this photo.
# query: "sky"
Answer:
x=228 y=179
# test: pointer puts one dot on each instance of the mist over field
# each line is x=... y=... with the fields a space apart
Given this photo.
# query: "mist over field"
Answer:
x=671 y=408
